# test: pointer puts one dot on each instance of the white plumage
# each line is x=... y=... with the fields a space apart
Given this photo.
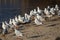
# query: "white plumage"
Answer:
x=59 y=13
x=34 y=12
x=18 y=33
x=37 y=21
x=5 y=28
x=16 y=19
x=3 y=25
x=39 y=10
x=52 y=11
x=27 y=17
x=6 y=23
x=31 y=13
x=48 y=7
x=14 y=22
x=47 y=13
x=40 y=17
x=10 y=21
x=56 y=7
x=21 y=19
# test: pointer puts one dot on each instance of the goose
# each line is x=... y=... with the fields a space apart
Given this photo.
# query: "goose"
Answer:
x=37 y=21
x=27 y=17
x=40 y=17
x=6 y=23
x=11 y=25
x=47 y=13
x=16 y=19
x=4 y=28
x=18 y=33
x=14 y=22
x=31 y=13
x=45 y=10
x=48 y=7
x=59 y=13
x=56 y=7
x=21 y=19
x=10 y=22
x=52 y=11
x=39 y=10
x=35 y=12
x=3 y=25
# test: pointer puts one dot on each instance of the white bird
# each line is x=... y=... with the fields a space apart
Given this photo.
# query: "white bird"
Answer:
x=10 y=22
x=52 y=11
x=14 y=22
x=4 y=26
x=45 y=10
x=27 y=17
x=48 y=7
x=6 y=23
x=56 y=7
x=35 y=12
x=18 y=33
x=31 y=13
x=39 y=10
x=37 y=21
x=59 y=13
x=16 y=19
x=40 y=17
x=21 y=19
x=47 y=13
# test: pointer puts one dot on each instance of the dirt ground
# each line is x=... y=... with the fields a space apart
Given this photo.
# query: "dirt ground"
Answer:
x=50 y=30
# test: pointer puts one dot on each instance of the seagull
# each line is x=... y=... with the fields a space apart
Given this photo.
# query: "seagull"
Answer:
x=18 y=33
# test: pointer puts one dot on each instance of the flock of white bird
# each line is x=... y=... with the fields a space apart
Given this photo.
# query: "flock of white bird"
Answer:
x=38 y=18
